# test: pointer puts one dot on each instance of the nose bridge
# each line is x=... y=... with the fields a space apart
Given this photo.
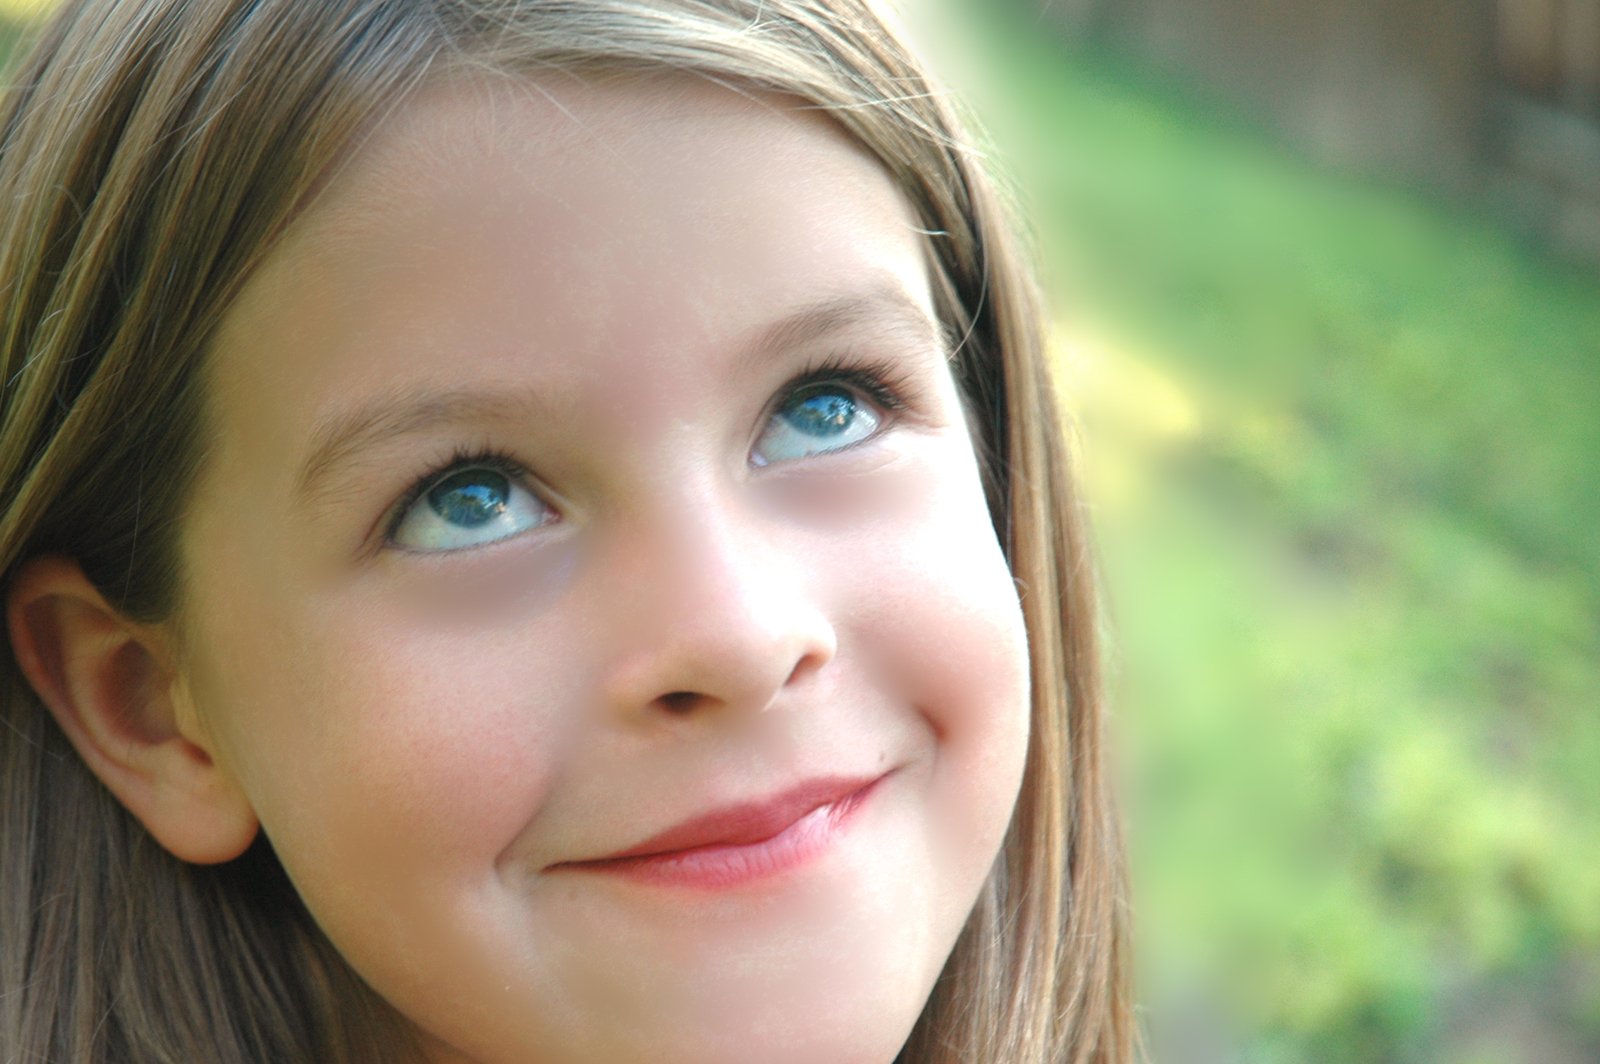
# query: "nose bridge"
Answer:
x=711 y=610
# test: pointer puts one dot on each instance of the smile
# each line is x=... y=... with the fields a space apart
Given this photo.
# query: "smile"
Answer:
x=740 y=844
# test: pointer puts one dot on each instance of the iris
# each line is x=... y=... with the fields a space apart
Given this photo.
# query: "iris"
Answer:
x=470 y=498
x=821 y=414
x=478 y=502
x=816 y=421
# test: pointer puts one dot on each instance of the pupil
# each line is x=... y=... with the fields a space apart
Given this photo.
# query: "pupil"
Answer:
x=470 y=498
x=827 y=414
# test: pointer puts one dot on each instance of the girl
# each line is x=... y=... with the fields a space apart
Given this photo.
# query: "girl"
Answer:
x=532 y=531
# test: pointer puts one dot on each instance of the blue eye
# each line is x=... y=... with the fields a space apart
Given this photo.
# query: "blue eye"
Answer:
x=816 y=420
x=469 y=508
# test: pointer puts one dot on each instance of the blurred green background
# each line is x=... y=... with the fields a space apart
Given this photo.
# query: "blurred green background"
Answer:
x=1340 y=416
x=1339 y=428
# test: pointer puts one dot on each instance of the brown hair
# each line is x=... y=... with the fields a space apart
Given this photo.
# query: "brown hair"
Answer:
x=150 y=151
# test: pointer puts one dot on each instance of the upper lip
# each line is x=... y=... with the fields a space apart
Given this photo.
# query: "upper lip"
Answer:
x=743 y=823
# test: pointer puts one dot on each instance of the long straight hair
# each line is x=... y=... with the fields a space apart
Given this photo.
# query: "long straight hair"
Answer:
x=150 y=153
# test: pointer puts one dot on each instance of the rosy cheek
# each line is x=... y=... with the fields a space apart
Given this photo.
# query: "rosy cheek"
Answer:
x=946 y=631
x=400 y=741
x=461 y=734
x=940 y=576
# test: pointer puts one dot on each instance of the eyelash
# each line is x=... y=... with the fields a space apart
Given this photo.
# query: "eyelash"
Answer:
x=882 y=381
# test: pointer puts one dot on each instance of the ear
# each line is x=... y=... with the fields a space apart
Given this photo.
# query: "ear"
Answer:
x=116 y=692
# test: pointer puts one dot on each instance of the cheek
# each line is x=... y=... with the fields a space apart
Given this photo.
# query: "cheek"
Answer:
x=365 y=739
x=940 y=623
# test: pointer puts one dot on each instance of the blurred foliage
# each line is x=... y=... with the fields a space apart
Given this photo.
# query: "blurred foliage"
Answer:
x=1342 y=444
x=12 y=28
x=16 y=16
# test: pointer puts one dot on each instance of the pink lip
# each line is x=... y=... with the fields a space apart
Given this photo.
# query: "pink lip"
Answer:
x=740 y=843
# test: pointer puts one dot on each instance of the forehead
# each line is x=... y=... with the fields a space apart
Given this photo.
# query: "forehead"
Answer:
x=575 y=231
x=594 y=167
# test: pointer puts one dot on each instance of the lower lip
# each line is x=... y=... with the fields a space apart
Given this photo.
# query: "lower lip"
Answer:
x=721 y=867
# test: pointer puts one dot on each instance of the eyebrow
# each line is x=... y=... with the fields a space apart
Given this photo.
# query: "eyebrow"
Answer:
x=406 y=411
x=885 y=304
x=398 y=413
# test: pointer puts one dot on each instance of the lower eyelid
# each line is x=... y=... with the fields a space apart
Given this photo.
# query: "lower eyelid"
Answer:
x=871 y=459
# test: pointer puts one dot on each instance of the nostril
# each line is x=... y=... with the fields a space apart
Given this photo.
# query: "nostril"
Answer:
x=679 y=701
x=802 y=668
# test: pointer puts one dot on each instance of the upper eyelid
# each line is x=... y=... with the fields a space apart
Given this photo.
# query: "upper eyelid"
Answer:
x=888 y=382
x=872 y=386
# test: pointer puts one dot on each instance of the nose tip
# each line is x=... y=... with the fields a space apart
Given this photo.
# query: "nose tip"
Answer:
x=716 y=626
x=724 y=685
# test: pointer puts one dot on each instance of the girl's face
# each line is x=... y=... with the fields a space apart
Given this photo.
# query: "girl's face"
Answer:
x=589 y=480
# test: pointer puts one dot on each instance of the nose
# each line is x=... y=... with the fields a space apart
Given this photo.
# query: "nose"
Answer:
x=710 y=613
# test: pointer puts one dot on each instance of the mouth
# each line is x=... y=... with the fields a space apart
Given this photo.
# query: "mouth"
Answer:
x=738 y=844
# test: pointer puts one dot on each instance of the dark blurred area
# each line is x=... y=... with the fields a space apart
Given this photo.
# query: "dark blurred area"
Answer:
x=1496 y=97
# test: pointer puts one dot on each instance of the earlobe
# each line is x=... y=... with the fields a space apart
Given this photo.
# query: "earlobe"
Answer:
x=113 y=688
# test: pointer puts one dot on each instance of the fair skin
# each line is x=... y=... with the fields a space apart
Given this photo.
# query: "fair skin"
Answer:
x=661 y=578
